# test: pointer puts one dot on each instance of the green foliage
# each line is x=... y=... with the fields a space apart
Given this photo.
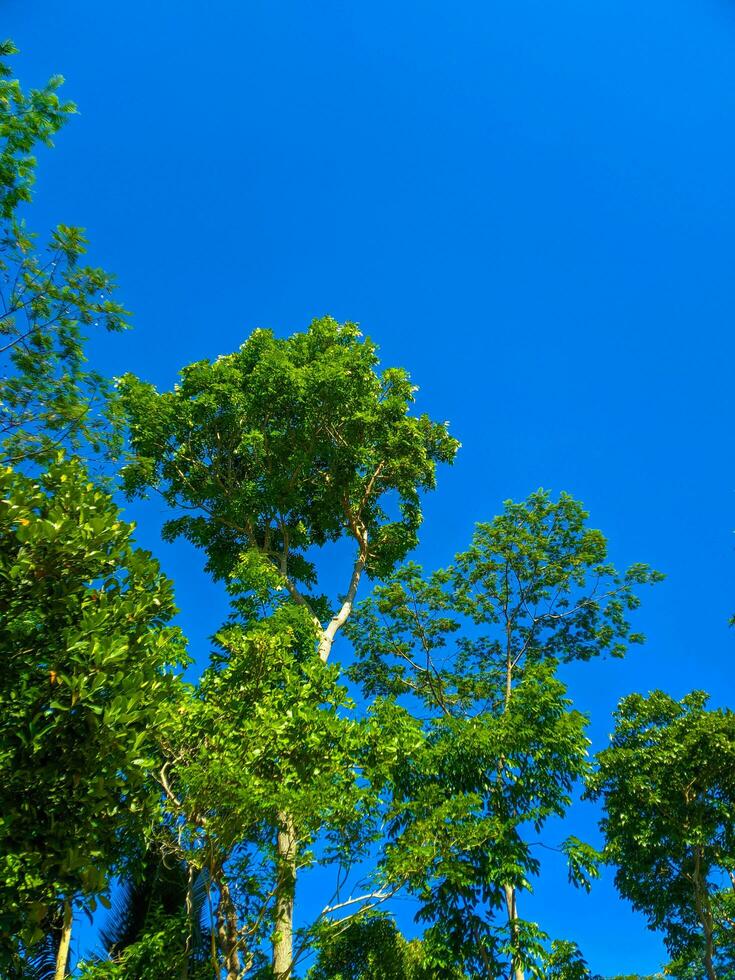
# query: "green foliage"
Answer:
x=370 y=947
x=159 y=952
x=272 y=453
x=367 y=948
x=473 y=651
x=285 y=445
x=667 y=783
x=160 y=896
x=25 y=122
x=565 y=962
x=47 y=297
x=87 y=653
x=38 y=962
x=281 y=723
x=269 y=730
x=156 y=926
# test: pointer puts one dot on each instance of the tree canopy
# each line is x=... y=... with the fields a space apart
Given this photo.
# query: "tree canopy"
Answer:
x=469 y=654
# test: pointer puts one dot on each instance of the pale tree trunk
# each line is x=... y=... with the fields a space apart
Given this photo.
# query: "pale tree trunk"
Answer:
x=62 y=957
x=339 y=619
x=285 y=888
x=287 y=845
x=510 y=904
x=510 y=892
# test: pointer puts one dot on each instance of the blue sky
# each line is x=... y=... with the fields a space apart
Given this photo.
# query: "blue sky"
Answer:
x=530 y=205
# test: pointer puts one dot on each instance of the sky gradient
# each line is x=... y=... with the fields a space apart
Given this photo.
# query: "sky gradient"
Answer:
x=530 y=205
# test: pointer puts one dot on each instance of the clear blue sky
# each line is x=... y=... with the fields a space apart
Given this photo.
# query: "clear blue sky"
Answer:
x=530 y=204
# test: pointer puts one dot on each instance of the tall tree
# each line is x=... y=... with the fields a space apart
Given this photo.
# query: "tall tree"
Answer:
x=272 y=453
x=667 y=784
x=468 y=657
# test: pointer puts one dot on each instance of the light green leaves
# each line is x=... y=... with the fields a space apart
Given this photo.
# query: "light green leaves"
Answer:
x=267 y=455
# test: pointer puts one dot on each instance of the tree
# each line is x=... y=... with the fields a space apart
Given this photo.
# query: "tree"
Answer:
x=468 y=657
x=88 y=654
x=48 y=398
x=272 y=453
x=667 y=783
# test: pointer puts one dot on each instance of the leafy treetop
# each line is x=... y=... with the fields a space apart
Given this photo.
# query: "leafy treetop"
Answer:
x=284 y=446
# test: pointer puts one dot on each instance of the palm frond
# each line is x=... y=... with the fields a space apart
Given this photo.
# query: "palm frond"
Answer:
x=39 y=962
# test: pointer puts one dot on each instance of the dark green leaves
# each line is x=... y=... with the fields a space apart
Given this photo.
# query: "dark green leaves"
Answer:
x=370 y=947
x=25 y=122
x=86 y=648
x=667 y=782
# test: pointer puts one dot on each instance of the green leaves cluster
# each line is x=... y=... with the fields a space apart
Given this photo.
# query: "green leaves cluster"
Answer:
x=268 y=731
x=667 y=783
x=157 y=924
x=87 y=650
x=268 y=455
x=27 y=121
x=286 y=445
x=371 y=948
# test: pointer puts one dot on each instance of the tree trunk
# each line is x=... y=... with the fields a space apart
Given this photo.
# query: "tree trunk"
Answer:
x=708 y=965
x=704 y=914
x=285 y=888
x=183 y=975
x=62 y=957
x=510 y=903
x=227 y=931
x=708 y=948
x=510 y=892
